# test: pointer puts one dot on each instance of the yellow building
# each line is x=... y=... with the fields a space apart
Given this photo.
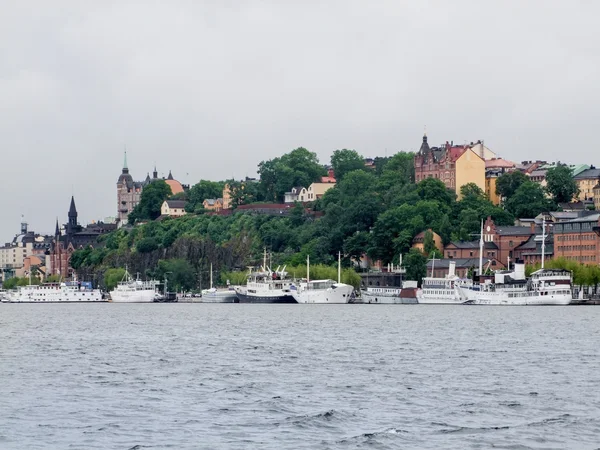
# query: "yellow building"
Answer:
x=173 y=208
x=597 y=196
x=226 y=197
x=419 y=241
x=587 y=181
x=314 y=191
x=470 y=168
x=213 y=204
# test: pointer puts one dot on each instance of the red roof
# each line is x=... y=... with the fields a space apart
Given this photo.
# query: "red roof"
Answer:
x=327 y=180
x=456 y=152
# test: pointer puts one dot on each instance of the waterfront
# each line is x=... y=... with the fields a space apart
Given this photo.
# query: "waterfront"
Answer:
x=154 y=376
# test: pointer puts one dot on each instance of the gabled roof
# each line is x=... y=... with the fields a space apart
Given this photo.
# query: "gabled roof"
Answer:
x=461 y=263
x=176 y=203
x=499 y=163
x=513 y=231
x=467 y=245
x=589 y=174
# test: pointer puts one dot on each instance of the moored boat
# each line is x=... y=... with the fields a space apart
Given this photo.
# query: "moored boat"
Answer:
x=322 y=291
x=129 y=290
x=65 y=292
x=214 y=295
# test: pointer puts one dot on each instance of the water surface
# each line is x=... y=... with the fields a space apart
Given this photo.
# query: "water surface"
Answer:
x=234 y=376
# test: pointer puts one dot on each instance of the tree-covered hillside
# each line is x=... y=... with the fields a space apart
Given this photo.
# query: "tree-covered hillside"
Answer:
x=374 y=210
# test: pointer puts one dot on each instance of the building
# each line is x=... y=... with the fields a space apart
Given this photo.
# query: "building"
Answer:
x=455 y=166
x=17 y=256
x=315 y=191
x=213 y=204
x=419 y=241
x=597 y=196
x=70 y=237
x=129 y=192
x=527 y=167
x=578 y=239
x=173 y=208
x=587 y=181
x=293 y=195
x=499 y=243
x=465 y=267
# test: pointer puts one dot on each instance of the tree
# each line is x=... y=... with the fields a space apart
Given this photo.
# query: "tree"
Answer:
x=201 y=191
x=344 y=161
x=560 y=184
x=416 y=265
x=435 y=189
x=297 y=168
x=112 y=277
x=179 y=273
x=508 y=183
x=429 y=246
x=153 y=196
x=528 y=201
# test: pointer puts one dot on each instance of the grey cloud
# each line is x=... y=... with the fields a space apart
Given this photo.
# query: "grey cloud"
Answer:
x=211 y=88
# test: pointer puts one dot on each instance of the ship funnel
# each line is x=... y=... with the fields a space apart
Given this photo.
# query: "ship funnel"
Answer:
x=452 y=269
x=519 y=271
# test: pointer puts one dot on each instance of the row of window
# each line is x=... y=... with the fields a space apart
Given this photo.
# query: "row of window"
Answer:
x=566 y=227
x=570 y=248
x=582 y=258
x=577 y=237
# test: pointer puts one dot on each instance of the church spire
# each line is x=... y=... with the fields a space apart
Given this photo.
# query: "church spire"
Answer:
x=125 y=160
x=57 y=231
x=170 y=177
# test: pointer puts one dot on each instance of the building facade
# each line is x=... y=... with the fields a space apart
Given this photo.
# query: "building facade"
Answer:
x=173 y=208
x=578 y=239
x=455 y=166
x=587 y=181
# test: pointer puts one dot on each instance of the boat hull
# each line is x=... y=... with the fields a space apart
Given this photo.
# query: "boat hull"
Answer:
x=245 y=298
x=533 y=300
x=219 y=297
x=400 y=297
x=337 y=295
x=133 y=297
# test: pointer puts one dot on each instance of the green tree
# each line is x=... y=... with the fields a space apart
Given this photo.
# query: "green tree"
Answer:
x=344 y=161
x=201 y=191
x=146 y=245
x=560 y=184
x=429 y=247
x=416 y=265
x=179 y=272
x=508 y=183
x=528 y=201
x=297 y=168
x=112 y=277
x=151 y=200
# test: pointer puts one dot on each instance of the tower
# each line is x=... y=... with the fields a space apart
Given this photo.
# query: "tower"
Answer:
x=127 y=197
x=72 y=224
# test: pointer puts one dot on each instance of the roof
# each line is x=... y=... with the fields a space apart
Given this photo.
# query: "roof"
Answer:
x=465 y=245
x=420 y=236
x=572 y=206
x=513 y=231
x=461 y=263
x=589 y=218
x=588 y=174
x=175 y=185
x=327 y=180
x=176 y=203
x=212 y=201
x=499 y=163
x=539 y=173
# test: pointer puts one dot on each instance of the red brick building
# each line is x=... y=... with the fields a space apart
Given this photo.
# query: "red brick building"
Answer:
x=579 y=239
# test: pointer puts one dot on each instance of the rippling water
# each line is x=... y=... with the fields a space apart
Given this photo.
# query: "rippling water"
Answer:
x=119 y=376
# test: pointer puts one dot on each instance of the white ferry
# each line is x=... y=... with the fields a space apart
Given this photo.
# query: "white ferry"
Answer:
x=322 y=291
x=129 y=290
x=65 y=292
x=451 y=290
x=544 y=287
x=391 y=295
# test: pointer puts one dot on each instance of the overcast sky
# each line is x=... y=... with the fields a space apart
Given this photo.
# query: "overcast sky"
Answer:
x=210 y=88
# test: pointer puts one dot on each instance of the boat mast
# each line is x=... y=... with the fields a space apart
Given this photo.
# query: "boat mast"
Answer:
x=211 y=275
x=339 y=267
x=265 y=260
x=481 y=250
x=307 y=269
x=543 y=240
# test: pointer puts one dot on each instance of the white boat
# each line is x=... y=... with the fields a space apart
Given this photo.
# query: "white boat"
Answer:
x=64 y=292
x=214 y=295
x=391 y=295
x=129 y=290
x=450 y=290
x=512 y=288
x=322 y=291
x=266 y=286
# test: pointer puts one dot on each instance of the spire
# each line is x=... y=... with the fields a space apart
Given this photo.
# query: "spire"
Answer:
x=424 y=146
x=72 y=208
x=57 y=231
x=155 y=173
x=125 y=161
x=170 y=177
